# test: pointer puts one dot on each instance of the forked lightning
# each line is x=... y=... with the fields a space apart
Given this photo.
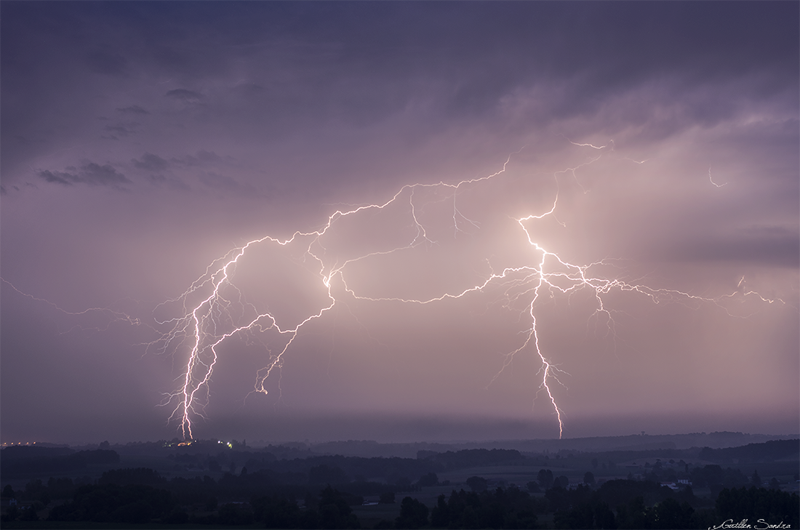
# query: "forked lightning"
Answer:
x=200 y=325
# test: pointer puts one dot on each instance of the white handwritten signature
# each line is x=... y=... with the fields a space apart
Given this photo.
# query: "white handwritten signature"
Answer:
x=758 y=525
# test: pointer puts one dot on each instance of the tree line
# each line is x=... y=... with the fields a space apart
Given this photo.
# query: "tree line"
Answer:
x=140 y=495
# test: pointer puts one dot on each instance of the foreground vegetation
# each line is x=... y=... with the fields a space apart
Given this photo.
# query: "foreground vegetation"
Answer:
x=241 y=487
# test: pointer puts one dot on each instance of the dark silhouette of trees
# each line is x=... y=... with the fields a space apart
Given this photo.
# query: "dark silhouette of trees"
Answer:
x=429 y=479
x=581 y=516
x=764 y=452
x=473 y=458
x=140 y=475
x=277 y=512
x=334 y=512
x=18 y=461
x=716 y=478
x=12 y=513
x=235 y=514
x=113 y=503
x=503 y=508
x=753 y=503
x=477 y=484
x=276 y=486
x=413 y=514
x=440 y=514
x=669 y=513
x=545 y=478
x=60 y=488
x=324 y=474
x=387 y=498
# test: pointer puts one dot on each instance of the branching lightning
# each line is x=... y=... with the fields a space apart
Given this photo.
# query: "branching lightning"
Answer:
x=111 y=314
x=208 y=317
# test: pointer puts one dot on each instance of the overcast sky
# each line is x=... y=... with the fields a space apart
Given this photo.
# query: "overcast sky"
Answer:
x=143 y=142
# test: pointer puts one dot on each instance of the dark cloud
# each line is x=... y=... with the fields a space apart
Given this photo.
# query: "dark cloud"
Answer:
x=120 y=130
x=59 y=177
x=202 y=157
x=222 y=182
x=90 y=173
x=362 y=65
x=133 y=109
x=103 y=175
x=151 y=162
x=184 y=95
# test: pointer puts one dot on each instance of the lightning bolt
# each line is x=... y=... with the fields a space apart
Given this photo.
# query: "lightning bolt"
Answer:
x=213 y=310
x=712 y=180
x=113 y=315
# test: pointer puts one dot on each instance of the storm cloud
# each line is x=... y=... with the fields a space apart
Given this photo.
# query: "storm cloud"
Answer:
x=653 y=143
x=89 y=173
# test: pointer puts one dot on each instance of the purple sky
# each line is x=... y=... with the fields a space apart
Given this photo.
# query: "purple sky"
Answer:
x=142 y=141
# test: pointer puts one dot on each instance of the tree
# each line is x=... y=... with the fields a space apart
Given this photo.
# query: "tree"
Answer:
x=29 y=514
x=387 y=497
x=671 y=514
x=545 y=478
x=11 y=514
x=755 y=480
x=323 y=474
x=413 y=514
x=753 y=503
x=276 y=512
x=588 y=478
x=428 y=480
x=403 y=483
x=440 y=514
x=334 y=511
x=477 y=484
x=383 y=523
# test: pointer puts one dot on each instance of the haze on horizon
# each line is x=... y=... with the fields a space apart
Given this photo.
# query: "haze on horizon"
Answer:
x=143 y=141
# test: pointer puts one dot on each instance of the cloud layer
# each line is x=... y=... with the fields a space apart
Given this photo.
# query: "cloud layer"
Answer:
x=142 y=141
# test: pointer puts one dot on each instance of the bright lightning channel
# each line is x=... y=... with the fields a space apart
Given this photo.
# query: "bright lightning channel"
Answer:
x=201 y=322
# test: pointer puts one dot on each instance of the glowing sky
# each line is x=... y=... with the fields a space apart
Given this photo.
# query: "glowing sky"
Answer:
x=142 y=141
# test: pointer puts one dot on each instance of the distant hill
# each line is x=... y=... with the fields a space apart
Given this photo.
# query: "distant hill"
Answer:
x=48 y=461
x=767 y=451
x=17 y=452
x=633 y=442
